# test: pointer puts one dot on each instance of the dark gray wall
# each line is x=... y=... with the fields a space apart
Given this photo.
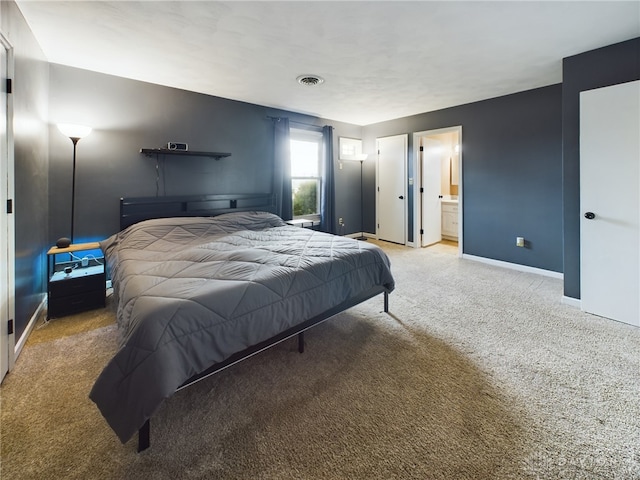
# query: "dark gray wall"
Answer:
x=347 y=184
x=603 y=67
x=512 y=173
x=127 y=115
x=30 y=101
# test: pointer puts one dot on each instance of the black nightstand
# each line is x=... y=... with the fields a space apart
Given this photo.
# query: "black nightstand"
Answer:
x=77 y=289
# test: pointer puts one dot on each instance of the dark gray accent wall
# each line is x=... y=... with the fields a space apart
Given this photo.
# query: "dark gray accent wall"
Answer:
x=127 y=115
x=347 y=183
x=603 y=67
x=512 y=173
x=30 y=134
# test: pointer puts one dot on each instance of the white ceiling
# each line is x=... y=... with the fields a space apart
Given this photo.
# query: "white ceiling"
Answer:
x=380 y=59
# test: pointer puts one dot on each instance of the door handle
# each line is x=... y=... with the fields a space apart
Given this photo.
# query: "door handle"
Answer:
x=401 y=197
x=589 y=215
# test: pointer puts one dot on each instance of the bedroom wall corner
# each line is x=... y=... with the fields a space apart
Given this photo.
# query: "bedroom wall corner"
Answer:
x=347 y=182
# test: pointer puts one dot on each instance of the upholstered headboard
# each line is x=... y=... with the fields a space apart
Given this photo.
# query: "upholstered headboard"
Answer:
x=136 y=209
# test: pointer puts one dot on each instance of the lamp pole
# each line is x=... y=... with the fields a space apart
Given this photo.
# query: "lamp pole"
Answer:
x=361 y=237
x=73 y=185
x=75 y=133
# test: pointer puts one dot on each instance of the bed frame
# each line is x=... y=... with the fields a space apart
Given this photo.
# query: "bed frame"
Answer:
x=137 y=209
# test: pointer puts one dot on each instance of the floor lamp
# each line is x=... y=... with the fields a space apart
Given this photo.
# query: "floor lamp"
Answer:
x=361 y=157
x=75 y=133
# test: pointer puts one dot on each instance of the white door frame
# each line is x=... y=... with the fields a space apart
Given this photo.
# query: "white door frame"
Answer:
x=417 y=174
x=7 y=222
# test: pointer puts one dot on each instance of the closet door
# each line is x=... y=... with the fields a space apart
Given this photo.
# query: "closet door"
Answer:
x=391 y=188
x=610 y=202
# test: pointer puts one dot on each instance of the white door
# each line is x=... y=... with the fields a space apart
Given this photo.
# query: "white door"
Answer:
x=391 y=192
x=433 y=151
x=610 y=202
x=6 y=223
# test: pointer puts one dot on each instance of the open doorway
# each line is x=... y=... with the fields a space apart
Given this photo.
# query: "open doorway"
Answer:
x=438 y=200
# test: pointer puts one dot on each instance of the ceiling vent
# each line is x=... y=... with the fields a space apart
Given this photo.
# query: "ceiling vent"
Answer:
x=310 y=80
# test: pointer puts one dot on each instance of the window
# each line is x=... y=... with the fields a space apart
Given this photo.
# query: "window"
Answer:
x=306 y=151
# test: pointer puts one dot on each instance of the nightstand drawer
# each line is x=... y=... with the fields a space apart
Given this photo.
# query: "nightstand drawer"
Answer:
x=61 y=306
x=72 y=286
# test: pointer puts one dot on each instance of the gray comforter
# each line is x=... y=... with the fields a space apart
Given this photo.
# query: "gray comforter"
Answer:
x=192 y=291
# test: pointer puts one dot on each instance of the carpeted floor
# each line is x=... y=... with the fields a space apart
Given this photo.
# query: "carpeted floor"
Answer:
x=477 y=373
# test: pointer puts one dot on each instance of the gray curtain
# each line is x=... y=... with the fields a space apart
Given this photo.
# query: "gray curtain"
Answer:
x=282 y=168
x=327 y=196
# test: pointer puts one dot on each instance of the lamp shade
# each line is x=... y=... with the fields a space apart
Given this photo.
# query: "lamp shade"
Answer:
x=360 y=156
x=74 y=131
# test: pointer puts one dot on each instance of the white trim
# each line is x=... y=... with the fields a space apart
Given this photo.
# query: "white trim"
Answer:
x=514 y=266
x=30 y=326
x=8 y=222
x=572 y=302
x=417 y=179
x=361 y=234
x=310 y=136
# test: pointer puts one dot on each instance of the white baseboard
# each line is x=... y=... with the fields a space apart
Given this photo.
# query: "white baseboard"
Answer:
x=514 y=266
x=360 y=234
x=573 y=302
x=32 y=323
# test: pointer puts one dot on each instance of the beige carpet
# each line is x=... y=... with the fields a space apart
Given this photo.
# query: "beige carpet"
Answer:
x=478 y=373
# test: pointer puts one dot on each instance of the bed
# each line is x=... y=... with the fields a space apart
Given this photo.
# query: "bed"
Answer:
x=203 y=282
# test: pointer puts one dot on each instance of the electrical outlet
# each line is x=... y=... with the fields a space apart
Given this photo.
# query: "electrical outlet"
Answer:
x=519 y=241
x=340 y=222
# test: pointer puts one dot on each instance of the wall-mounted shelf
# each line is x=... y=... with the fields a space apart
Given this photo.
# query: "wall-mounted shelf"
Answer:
x=187 y=153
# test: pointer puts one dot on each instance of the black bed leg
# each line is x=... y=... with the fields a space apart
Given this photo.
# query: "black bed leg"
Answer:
x=301 y=342
x=144 y=437
x=386 y=302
